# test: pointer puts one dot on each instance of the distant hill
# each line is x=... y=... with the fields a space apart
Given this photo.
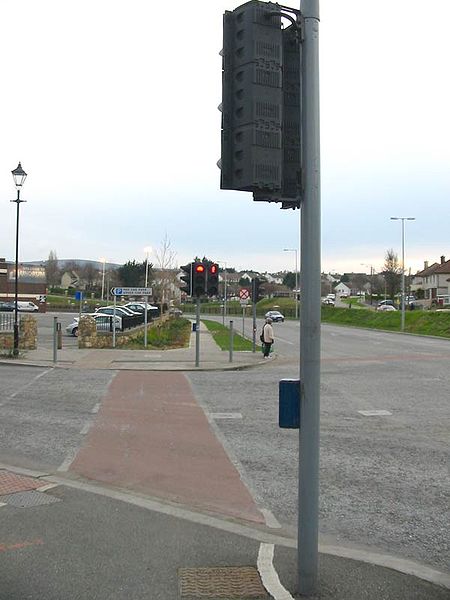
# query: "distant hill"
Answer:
x=81 y=262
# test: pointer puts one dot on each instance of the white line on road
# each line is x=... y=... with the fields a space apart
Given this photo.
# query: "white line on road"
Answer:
x=85 y=429
x=375 y=413
x=30 y=383
x=225 y=415
x=269 y=576
x=278 y=339
x=64 y=466
x=96 y=408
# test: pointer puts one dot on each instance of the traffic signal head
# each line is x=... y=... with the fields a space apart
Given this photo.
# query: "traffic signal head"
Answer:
x=199 y=279
x=257 y=290
x=212 y=285
x=187 y=278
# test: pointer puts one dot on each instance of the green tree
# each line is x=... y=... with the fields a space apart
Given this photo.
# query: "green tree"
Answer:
x=289 y=280
x=52 y=270
x=132 y=273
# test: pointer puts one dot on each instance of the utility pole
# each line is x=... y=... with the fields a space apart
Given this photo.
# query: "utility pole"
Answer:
x=308 y=545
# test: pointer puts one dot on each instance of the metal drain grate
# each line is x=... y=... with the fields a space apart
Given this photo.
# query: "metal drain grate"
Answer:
x=221 y=582
x=28 y=499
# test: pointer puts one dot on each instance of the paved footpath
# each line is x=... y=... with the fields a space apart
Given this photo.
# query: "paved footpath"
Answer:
x=151 y=507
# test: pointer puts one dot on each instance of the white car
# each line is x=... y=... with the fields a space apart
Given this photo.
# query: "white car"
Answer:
x=386 y=308
x=103 y=323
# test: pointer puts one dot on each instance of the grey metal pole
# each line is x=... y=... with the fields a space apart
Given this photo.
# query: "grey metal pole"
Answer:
x=16 y=284
x=114 y=323
x=403 y=275
x=145 y=320
x=55 y=338
x=310 y=306
x=231 y=341
x=197 y=333
x=254 y=316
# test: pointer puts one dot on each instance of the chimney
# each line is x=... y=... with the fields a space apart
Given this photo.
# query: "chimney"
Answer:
x=442 y=260
x=425 y=264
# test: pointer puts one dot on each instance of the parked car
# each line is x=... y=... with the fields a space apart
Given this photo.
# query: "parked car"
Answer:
x=102 y=323
x=6 y=306
x=27 y=307
x=120 y=310
x=152 y=311
x=388 y=302
x=328 y=301
x=176 y=312
x=275 y=315
x=386 y=307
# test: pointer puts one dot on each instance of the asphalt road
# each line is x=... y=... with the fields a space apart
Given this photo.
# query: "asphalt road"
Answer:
x=384 y=479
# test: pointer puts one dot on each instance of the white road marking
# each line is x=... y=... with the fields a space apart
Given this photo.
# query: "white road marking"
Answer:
x=270 y=518
x=225 y=415
x=85 y=429
x=64 y=466
x=278 y=339
x=47 y=487
x=30 y=383
x=96 y=408
x=375 y=413
x=269 y=576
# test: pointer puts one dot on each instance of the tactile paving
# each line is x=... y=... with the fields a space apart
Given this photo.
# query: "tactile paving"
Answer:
x=11 y=483
x=221 y=582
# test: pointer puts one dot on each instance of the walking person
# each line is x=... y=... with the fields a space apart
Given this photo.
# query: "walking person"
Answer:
x=267 y=337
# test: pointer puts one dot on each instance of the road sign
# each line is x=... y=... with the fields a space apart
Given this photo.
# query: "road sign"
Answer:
x=131 y=291
x=244 y=294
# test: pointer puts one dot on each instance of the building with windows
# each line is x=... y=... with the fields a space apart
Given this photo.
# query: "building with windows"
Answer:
x=31 y=283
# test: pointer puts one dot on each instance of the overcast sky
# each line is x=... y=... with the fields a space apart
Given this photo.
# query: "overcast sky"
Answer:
x=112 y=109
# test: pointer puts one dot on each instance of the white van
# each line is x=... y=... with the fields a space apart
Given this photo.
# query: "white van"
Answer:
x=27 y=307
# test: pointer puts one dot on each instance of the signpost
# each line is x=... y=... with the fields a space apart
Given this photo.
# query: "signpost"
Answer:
x=131 y=291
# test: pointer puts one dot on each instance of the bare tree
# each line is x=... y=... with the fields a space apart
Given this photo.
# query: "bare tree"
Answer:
x=52 y=270
x=165 y=272
x=392 y=273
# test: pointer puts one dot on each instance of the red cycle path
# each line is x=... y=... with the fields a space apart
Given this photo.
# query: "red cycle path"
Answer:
x=151 y=436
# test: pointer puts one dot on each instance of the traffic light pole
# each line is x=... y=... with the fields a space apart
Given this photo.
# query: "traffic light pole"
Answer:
x=308 y=510
x=197 y=332
x=254 y=315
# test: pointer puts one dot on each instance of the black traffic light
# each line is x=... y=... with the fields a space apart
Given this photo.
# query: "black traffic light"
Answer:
x=187 y=278
x=199 y=279
x=257 y=290
x=252 y=98
x=212 y=284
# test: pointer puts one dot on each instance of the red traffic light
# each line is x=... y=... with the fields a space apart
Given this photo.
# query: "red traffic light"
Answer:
x=213 y=269
x=199 y=268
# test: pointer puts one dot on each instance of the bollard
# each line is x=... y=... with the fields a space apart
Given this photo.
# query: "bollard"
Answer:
x=231 y=341
x=59 y=332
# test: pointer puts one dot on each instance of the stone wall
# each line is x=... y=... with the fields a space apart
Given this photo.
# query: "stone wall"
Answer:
x=27 y=335
x=89 y=337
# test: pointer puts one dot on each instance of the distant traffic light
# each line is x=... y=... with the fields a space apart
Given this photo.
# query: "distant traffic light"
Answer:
x=187 y=278
x=212 y=284
x=257 y=290
x=199 y=279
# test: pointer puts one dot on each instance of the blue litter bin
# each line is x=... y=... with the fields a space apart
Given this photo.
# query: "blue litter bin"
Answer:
x=289 y=404
x=194 y=326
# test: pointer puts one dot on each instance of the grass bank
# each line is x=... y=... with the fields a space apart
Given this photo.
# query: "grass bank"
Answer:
x=174 y=333
x=221 y=336
x=418 y=322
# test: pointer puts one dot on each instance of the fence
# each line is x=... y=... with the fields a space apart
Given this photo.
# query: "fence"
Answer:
x=7 y=322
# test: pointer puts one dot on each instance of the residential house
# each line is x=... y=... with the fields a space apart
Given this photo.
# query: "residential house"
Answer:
x=433 y=280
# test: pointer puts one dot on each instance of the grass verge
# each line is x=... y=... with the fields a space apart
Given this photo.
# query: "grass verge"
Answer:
x=174 y=333
x=417 y=322
x=221 y=335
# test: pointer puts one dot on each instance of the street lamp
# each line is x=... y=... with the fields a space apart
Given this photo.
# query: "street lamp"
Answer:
x=403 y=219
x=296 y=278
x=371 y=279
x=103 y=260
x=19 y=177
x=147 y=251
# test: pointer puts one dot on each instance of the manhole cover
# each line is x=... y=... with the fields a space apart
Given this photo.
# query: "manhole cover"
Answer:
x=221 y=582
x=28 y=499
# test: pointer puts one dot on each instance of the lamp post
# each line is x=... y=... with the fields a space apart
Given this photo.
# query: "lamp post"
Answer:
x=103 y=260
x=296 y=278
x=19 y=177
x=371 y=280
x=147 y=251
x=403 y=219
x=224 y=314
